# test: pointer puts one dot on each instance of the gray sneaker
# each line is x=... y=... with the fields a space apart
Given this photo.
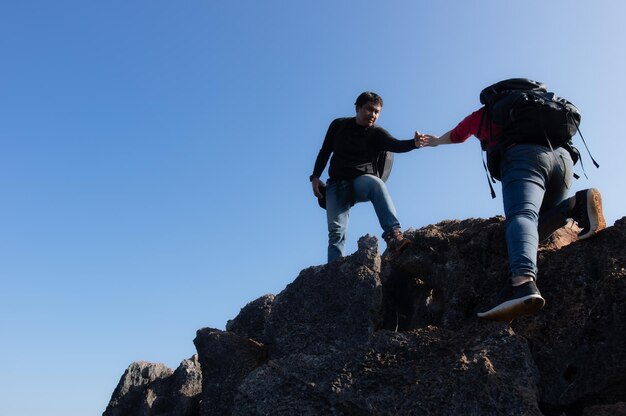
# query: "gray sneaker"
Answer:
x=514 y=301
x=588 y=213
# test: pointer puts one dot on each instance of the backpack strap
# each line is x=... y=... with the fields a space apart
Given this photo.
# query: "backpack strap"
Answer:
x=490 y=178
x=585 y=143
x=486 y=116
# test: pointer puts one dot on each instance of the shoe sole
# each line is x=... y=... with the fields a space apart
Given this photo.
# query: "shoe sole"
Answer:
x=596 y=222
x=507 y=311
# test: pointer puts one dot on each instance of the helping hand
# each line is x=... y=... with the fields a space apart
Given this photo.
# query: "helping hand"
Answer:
x=425 y=140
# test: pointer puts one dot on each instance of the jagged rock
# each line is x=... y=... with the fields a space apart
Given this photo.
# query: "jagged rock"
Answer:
x=400 y=336
x=330 y=307
x=317 y=325
x=435 y=371
x=443 y=277
x=430 y=371
x=153 y=389
x=250 y=323
x=561 y=238
x=186 y=386
x=133 y=391
x=226 y=359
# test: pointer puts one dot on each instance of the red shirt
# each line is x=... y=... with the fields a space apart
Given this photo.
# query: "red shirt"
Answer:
x=469 y=127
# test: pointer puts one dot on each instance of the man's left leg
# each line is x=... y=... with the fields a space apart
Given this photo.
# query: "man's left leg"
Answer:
x=525 y=172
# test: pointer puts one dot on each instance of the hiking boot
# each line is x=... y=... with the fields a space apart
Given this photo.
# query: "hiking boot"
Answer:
x=395 y=241
x=514 y=301
x=588 y=213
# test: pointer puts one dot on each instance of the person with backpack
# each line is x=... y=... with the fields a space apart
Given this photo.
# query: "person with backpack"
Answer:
x=527 y=132
x=358 y=146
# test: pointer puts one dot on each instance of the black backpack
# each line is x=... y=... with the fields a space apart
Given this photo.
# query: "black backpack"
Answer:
x=526 y=112
x=383 y=165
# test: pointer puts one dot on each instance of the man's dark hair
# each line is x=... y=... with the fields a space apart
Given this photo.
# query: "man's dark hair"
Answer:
x=368 y=96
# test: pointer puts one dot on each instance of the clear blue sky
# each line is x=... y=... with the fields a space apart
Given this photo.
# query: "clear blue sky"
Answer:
x=155 y=156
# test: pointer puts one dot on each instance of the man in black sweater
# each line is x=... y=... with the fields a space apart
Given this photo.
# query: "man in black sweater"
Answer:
x=355 y=143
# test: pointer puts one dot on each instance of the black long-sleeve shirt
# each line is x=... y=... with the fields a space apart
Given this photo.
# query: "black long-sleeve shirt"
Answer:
x=354 y=149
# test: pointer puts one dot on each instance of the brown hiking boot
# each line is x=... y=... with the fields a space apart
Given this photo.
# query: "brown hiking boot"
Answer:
x=395 y=241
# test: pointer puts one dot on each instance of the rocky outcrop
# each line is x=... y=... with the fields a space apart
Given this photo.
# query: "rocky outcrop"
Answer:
x=226 y=360
x=153 y=389
x=373 y=335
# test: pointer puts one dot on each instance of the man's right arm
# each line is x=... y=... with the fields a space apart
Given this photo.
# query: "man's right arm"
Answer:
x=322 y=158
x=315 y=184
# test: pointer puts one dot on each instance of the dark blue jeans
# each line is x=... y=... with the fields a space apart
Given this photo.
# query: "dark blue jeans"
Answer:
x=535 y=184
x=342 y=195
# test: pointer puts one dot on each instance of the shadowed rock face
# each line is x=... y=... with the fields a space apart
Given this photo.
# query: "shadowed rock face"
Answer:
x=399 y=336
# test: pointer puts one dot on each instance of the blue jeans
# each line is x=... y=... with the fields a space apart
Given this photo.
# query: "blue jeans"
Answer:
x=342 y=195
x=535 y=184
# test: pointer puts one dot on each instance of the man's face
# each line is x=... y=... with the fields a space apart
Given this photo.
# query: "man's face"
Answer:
x=367 y=114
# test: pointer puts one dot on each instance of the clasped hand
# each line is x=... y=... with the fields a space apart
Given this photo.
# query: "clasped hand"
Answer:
x=425 y=140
